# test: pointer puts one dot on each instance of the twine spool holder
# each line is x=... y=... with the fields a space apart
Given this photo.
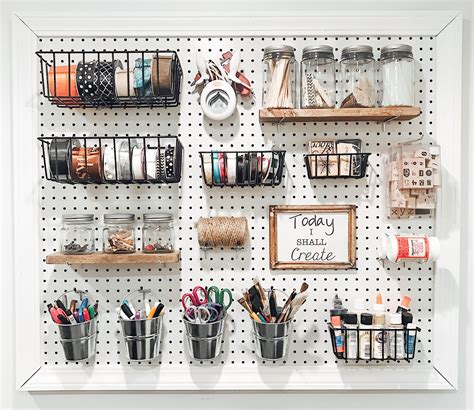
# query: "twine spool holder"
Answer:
x=222 y=232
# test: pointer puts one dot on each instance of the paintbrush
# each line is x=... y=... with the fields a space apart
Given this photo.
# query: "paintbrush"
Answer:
x=273 y=305
x=263 y=296
x=286 y=307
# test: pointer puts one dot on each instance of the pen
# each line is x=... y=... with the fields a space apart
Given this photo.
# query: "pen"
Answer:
x=91 y=311
x=85 y=314
x=71 y=317
x=159 y=310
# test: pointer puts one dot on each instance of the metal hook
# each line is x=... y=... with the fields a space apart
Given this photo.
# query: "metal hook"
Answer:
x=385 y=122
x=412 y=141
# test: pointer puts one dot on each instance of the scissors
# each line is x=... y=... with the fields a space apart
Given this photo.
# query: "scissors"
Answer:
x=194 y=297
x=214 y=295
x=201 y=314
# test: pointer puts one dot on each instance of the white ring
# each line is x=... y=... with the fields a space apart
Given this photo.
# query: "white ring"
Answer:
x=226 y=92
x=137 y=163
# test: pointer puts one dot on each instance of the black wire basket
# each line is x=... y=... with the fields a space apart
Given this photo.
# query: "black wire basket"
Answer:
x=242 y=168
x=403 y=351
x=320 y=166
x=91 y=79
x=112 y=160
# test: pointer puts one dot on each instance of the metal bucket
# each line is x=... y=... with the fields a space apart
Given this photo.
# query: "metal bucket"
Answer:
x=272 y=339
x=142 y=337
x=79 y=340
x=204 y=340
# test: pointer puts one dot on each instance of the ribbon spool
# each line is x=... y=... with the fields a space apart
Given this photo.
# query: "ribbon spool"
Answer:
x=222 y=232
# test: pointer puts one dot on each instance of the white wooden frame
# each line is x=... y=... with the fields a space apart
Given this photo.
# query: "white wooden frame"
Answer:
x=443 y=374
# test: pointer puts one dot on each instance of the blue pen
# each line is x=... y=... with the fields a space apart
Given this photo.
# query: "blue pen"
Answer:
x=84 y=304
x=80 y=316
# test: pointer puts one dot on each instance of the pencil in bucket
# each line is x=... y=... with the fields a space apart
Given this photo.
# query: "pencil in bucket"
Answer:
x=141 y=319
x=75 y=314
x=271 y=323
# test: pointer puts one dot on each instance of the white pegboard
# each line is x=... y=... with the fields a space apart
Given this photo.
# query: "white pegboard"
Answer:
x=191 y=199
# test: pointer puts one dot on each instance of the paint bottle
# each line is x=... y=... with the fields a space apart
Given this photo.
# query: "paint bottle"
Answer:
x=379 y=336
x=416 y=248
x=350 y=335
x=396 y=337
x=410 y=339
x=339 y=339
x=404 y=304
x=365 y=345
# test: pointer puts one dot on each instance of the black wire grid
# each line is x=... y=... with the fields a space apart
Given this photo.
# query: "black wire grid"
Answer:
x=387 y=334
x=64 y=85
x=247 y=168
x=163 y=154
x=320 y=166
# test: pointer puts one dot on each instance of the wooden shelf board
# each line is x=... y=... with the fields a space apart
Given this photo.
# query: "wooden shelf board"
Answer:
x=108 y=258
x=277 y=115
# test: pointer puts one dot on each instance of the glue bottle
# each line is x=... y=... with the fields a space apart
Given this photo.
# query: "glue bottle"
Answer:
x=379 y=335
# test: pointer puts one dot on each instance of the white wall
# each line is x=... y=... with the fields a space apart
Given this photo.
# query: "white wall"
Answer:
x=9 y=398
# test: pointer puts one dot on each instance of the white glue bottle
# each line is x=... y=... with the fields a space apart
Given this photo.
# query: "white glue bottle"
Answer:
x=365 y=327
x=351 y=342
x=380 y=347
x=396 y=336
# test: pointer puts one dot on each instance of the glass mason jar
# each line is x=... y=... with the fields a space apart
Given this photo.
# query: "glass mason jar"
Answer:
x=358 y=77
x=77 y=234
x=279 y=77
x=318 y=77
x=398 y=75
x=158 y=233
x=119 y=233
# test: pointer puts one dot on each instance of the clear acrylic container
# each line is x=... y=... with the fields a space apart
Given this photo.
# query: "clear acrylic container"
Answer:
x=358 y=77
x=279 y=77
x=158 y=233
x=398 y=75
x=318 y=77
x=77 y=234
x=119 y=233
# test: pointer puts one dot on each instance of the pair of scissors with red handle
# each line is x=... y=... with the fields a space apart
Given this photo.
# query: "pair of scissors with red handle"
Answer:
x=197 y=297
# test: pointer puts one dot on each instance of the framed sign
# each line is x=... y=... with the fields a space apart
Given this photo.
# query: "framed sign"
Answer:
x=312 y=236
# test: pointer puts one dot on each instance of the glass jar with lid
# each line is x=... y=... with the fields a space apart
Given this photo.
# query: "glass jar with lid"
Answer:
x=358 y=77
x=158 y=233
x=77 y=234
x=398 y=75
x=119 y=233
x=318 y=77
x=279 y=77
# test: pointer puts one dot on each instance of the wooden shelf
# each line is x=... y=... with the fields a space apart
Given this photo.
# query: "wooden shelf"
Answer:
x=277 y=115
x=101 y=258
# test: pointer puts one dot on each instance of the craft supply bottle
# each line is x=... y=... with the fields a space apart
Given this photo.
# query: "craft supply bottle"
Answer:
x=318 y=77
x=359 y=307
x=351 y=335
x=416 y=248
x=279 y=77
x=358 y=77
x=379 y=336
x=396 y=337
x=365 y=336
x=404 y=304
x=398 y=75
x=410 y=338
x=338 y=335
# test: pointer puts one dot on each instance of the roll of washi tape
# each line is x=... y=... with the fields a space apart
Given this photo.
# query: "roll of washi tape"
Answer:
x=273 y=169
x=86 y=78
x=137 y=163
x=86 y=164
x=207 y=162
x=161 y=74
x=62 y=84
x=59 y=154
x=160 y=165
x=170 y=162
x=105 y=80
x=108 y=162
x=216 y=173
x=125 y=151
x=222 y=167
x=231 y=168
x=149 y=158
x=253 y=167
x=124 y=83
x=242 y=168
x=142 y=77
x=264 y=165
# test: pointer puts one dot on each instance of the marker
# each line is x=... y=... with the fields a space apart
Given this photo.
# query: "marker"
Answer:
x=86 y=315
x=159 y=309
x=91 y=311
x=71 y=317
x=127 y=311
